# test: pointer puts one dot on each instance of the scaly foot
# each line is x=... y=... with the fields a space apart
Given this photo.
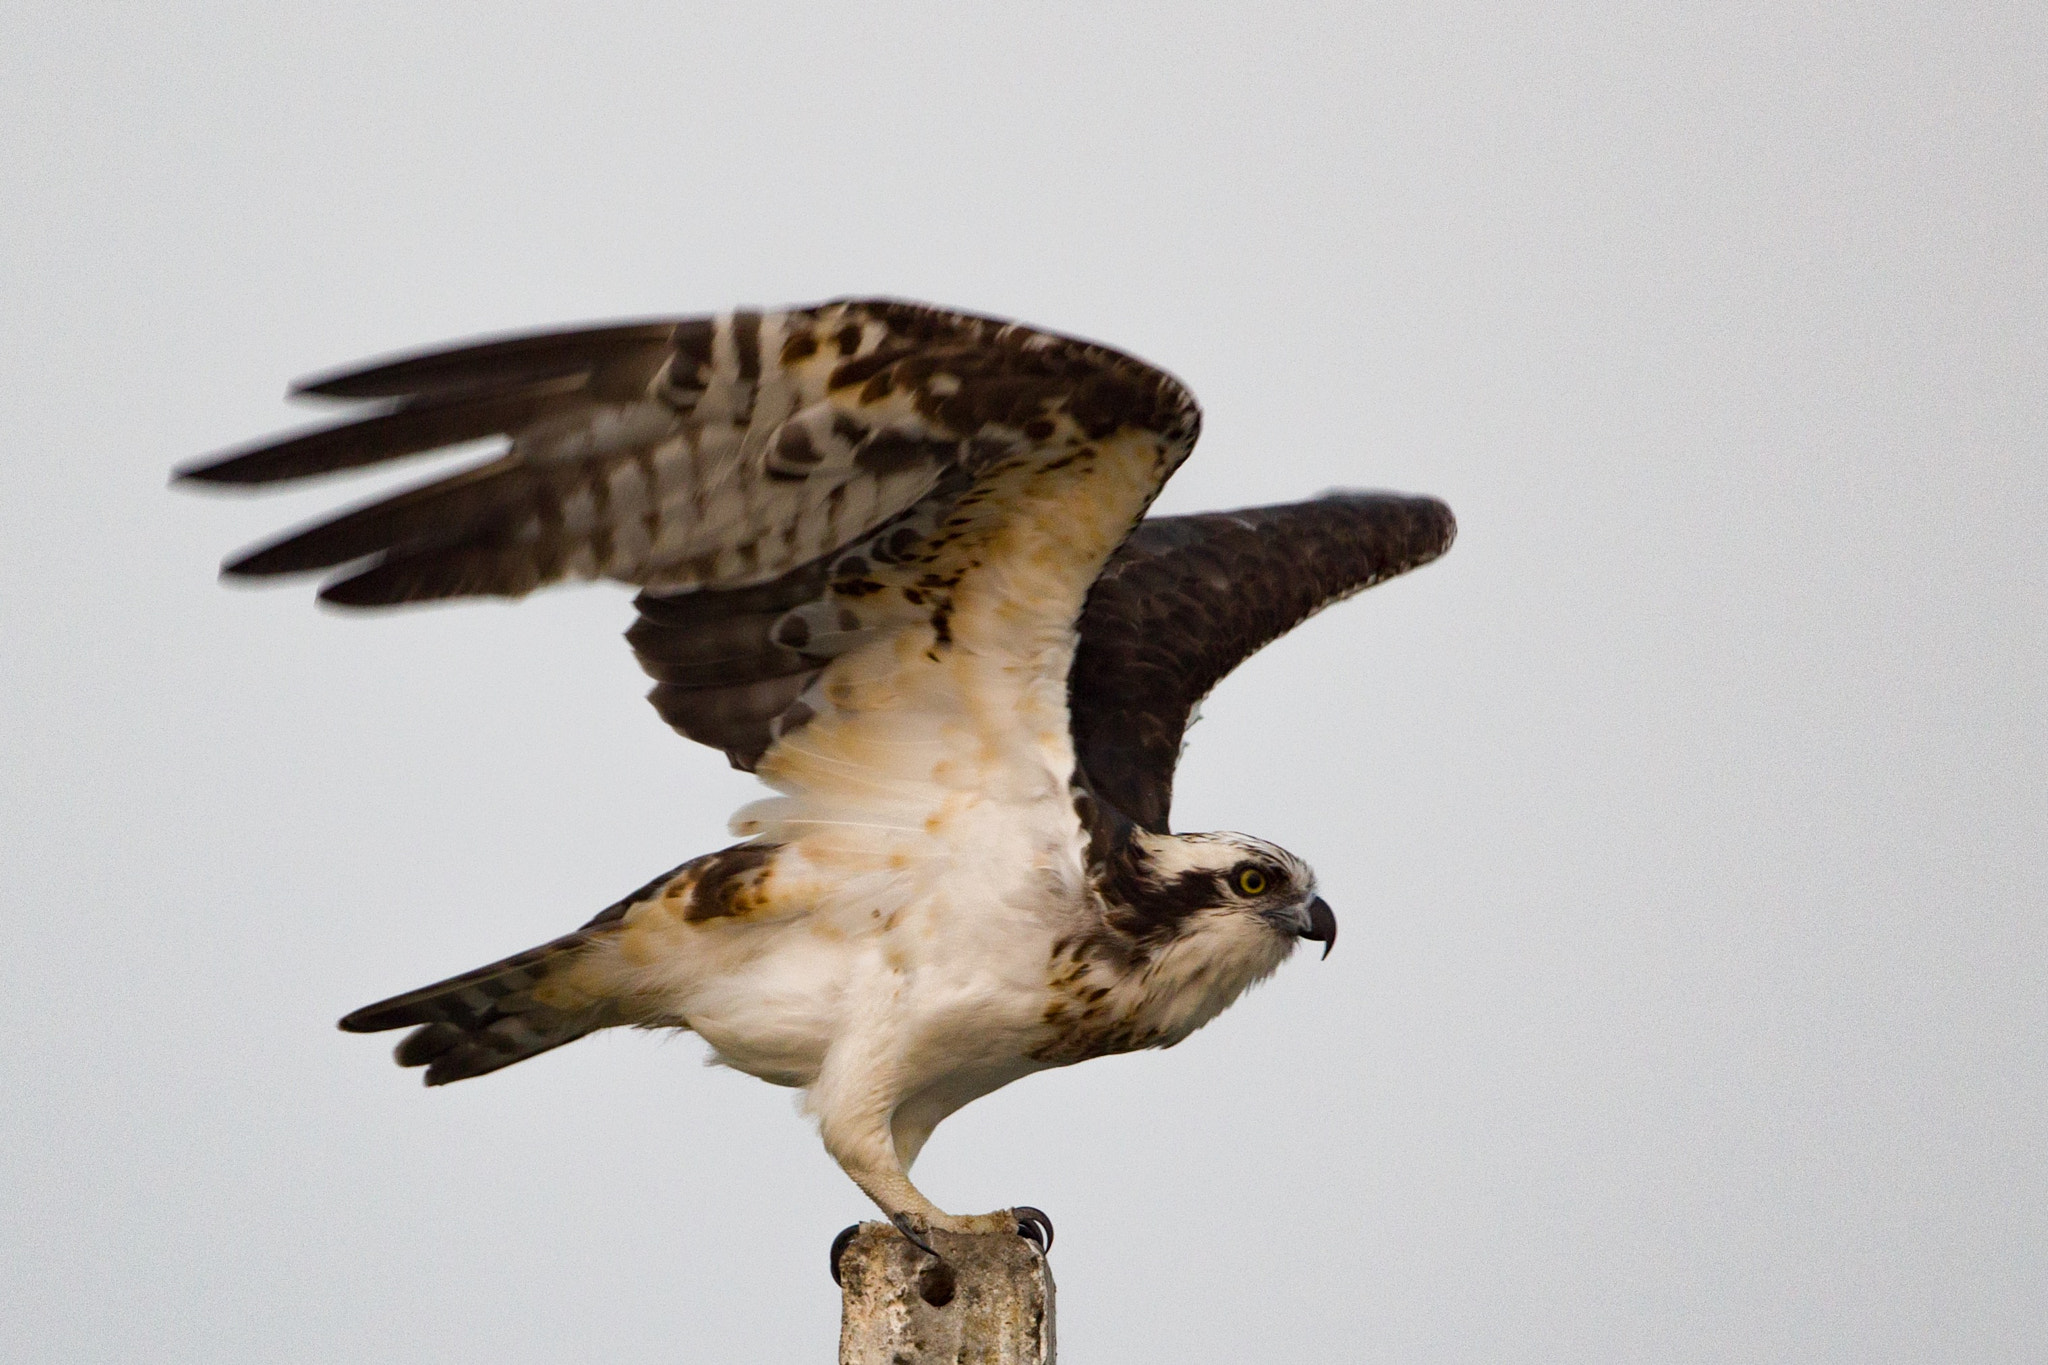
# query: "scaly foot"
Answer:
x=1027 y=1222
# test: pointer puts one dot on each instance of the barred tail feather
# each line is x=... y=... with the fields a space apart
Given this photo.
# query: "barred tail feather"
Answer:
x=482 y=1020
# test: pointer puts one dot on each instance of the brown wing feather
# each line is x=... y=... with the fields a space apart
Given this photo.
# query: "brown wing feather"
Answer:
x=517 y=360
x=426 y=423
x=766 y=478
x=698 y=452
x=1187 y=599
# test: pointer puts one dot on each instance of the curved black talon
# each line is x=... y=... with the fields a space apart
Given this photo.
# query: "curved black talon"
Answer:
x=1034 y=1227
x=839 y=1245
x=902 y=1222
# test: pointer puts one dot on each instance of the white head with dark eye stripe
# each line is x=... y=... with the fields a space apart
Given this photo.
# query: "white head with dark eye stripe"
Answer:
x=1214 y=913
x=1185 y=875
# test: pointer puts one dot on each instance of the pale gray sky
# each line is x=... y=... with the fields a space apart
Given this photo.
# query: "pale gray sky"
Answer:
x=1686 y=822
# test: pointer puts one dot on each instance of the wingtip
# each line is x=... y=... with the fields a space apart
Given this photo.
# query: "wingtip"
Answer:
x=356 y=1021
x=380 y=1017
x=365 y=591
x=1433 y=509
x=1436 y=513
x=212 y=469
x=349 y=385
x=263 y=562
x=1450 y=522
x=353 y=383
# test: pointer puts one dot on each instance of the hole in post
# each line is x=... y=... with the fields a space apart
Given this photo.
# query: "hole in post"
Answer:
x=936 y=1284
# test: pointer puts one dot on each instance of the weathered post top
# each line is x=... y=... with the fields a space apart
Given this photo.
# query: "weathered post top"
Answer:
x=988 y=1302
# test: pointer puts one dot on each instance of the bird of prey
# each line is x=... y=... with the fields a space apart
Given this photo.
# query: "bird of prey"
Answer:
x=894 y=560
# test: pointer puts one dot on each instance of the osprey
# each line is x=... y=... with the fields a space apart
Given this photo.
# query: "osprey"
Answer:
x=892 y=559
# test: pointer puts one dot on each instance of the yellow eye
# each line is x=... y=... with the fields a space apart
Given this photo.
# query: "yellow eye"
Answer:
x=1251 y=881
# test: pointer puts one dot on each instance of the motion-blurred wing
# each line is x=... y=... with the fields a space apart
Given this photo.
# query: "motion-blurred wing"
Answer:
x=784 y=486
x=1187 y=599
x=672 y=455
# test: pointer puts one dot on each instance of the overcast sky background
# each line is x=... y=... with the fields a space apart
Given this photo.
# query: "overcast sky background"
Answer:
x=1688 y=823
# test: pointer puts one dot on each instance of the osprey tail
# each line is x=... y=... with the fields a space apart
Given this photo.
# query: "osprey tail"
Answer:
x=520 y=1007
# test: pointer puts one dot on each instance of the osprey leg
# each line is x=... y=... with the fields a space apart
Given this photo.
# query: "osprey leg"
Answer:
x=855 y=1098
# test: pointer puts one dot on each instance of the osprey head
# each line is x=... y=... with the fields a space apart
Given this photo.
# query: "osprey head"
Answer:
x=1189 y=884
x=1205 y=916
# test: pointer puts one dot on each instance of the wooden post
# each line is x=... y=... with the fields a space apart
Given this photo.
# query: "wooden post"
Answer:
x=989 y=1302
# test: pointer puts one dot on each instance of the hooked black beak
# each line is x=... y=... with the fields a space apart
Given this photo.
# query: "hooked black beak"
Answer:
x=1322 y=924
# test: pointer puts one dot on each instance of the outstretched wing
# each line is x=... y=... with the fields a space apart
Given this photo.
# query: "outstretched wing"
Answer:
x=788 y=488
x=1187 y=599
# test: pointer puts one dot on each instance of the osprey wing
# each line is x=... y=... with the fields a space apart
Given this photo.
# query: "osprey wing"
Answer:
x=787 y=487
x=1187 y=599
